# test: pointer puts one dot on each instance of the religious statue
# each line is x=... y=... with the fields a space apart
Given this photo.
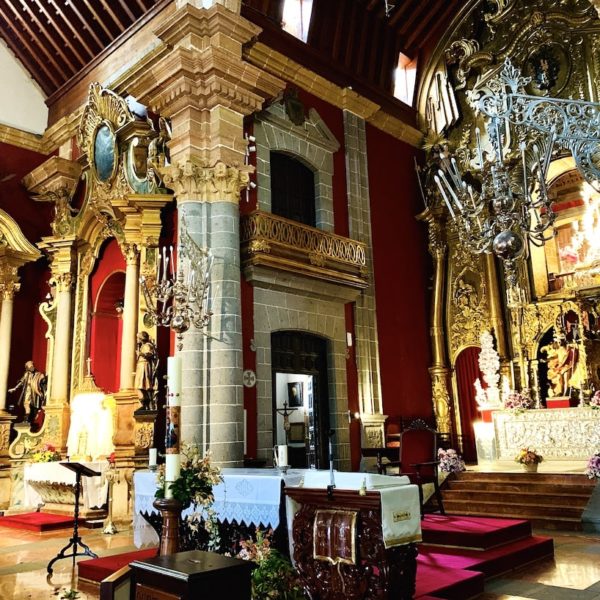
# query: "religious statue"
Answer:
x=561 y=360
x=145 y=371
x=33 y=393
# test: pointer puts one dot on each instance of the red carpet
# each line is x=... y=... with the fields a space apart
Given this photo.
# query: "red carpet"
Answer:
x=473 y=532
x=459 y=552
x=98 y=569
x=37 y=521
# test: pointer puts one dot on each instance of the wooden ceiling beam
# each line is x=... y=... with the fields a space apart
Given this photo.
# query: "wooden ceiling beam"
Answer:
x=418 y=30
x=48 y=36
x=33 y=37
x=74 y=31
x=442 y=20
x=407 y=25
x=399 y=11
x=127 y=10
x=38 y=65
x=99 y=21
x=142 y=6
x=113 y=15
x=64 y=38
x=86 y=26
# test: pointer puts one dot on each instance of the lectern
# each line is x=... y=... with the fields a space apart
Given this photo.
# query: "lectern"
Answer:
x=80 y=471
x=339 y=549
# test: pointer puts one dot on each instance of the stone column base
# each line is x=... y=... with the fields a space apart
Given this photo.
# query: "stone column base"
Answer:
x=55 y=429
x=124 y=435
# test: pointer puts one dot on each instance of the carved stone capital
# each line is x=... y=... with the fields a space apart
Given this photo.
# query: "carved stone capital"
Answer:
x=63 y=282
x=131 y=252
x=219 y=183
x=9 y=281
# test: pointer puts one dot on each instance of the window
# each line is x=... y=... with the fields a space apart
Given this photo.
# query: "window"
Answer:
x=292 y=189
x=405 y=79
x=296 y=17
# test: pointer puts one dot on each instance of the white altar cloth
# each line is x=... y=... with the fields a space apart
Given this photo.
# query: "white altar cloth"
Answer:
x=94 y=489
x=400 y=510
x=249 y=496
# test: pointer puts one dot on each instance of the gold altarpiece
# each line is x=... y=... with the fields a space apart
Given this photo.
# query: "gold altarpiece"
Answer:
x=559 y=48
x=122 y=199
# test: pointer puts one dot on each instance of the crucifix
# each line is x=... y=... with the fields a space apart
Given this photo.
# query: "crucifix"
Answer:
x=285 y=412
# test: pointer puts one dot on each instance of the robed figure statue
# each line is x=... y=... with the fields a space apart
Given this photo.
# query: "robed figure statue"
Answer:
x=33 y=395
x=145 y=371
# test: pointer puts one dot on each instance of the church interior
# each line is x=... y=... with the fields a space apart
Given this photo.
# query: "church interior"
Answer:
x=212 y=358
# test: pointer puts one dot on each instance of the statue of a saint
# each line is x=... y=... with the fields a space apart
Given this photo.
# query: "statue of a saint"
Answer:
x=145 y=371
x=562 y=361
x=33 y=392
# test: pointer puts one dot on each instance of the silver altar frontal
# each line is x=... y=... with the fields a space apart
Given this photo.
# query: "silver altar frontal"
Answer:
x=557 y=434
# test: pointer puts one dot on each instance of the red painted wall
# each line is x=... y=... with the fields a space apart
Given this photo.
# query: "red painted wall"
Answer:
x=402 y=273
x=28 y=338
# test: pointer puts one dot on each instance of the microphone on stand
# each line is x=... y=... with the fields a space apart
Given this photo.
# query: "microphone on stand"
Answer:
x=331 y=485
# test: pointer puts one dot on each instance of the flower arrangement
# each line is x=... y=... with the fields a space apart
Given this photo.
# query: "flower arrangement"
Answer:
x=528 y=456
x=195 y=487
x=274 y=577
x=450 y=461
x=518 y=401
x=595 y=400
x=593 y=466
x=47 y=453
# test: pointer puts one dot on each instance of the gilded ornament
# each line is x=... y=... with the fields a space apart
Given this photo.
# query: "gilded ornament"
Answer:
x=318 y=260
x=144 y=435
x=259 y=246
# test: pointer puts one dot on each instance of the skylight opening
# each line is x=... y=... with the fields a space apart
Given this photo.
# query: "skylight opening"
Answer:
x=296 y=18
x=405 y=78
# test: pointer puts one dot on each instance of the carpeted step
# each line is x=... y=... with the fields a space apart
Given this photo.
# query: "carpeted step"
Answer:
x=451 y=584
x=469 y=532
x=575 y=491
x=489 y=562
x=37 y=521
x=518 y=497
x=97 y=569
x=565 y=479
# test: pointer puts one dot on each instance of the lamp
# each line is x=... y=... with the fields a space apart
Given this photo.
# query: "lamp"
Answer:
x=508 y=204
x=179 y=297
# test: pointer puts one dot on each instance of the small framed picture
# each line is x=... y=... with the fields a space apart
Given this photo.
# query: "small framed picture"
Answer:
x=295 y=394
x=296 y=434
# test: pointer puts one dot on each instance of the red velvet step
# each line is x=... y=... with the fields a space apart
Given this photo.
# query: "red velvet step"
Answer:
x=452 y=584
x=97 y=569
x=472 y=532
x=37 y=521
x=489 y=562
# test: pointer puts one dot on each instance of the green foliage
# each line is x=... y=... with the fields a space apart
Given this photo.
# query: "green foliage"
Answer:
x=275 y=579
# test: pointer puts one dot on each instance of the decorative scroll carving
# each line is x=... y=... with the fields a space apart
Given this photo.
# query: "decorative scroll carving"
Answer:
x=570 y=433
x=221 y=183
x=144 y=435
x=459 y=53
x=9 y=281
x=441 y=399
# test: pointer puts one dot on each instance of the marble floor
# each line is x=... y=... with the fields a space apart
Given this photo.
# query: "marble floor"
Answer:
x=574 y=574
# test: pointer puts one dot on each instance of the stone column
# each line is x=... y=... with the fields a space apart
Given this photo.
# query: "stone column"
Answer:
x=439 y=370
x=62 y=338
x=206 y=88
x=8 y=286
x=130 y=316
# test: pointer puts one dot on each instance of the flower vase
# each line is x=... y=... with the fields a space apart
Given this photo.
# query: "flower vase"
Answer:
x=531 y=468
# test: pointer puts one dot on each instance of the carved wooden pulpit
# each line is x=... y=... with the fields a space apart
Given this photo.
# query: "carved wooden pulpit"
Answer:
x=339 y=550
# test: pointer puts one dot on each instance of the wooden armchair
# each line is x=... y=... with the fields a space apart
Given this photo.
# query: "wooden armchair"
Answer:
x=418 y=461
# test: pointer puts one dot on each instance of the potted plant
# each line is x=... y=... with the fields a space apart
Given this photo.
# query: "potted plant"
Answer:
x=529 y=458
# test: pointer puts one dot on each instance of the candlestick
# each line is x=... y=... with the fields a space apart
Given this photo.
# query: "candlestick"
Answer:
x=282 y=455
x=172 y=471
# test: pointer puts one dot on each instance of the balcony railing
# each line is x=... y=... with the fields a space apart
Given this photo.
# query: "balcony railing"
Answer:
x=271 y=241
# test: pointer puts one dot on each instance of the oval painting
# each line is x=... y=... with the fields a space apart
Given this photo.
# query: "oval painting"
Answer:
x=104 y=152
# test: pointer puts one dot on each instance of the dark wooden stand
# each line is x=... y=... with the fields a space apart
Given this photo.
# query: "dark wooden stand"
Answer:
x=170 y=509
x=75 y=540
x=191 y=576
x=378 y=573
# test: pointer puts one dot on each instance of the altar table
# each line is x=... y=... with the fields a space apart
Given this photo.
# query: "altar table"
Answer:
x=248 y=496
x=557 y=434
x=50 y=482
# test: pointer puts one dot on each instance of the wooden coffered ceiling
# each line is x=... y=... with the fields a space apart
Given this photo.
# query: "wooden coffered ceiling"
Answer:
x=58 y=39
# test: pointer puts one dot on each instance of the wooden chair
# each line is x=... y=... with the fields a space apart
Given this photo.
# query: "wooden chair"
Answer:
x=418 y=461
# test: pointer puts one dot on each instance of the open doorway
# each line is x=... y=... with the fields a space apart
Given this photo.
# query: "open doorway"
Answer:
x=300 y=397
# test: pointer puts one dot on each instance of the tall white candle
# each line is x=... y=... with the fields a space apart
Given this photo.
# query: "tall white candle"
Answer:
x=282 y=455
x=152 y=456
x=172 y=471
x=174 y=380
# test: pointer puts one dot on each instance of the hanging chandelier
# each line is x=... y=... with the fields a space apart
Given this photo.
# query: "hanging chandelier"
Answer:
x=179 y=297
x=505 y=204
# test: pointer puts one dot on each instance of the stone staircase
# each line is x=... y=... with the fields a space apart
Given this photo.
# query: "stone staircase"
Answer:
x=549 y=501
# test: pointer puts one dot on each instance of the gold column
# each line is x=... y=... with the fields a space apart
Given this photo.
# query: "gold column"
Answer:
x=438 y=371
x=130 y=315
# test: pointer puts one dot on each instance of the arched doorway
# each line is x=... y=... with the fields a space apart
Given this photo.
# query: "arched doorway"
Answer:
x=299 y=376
x=466 y=368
